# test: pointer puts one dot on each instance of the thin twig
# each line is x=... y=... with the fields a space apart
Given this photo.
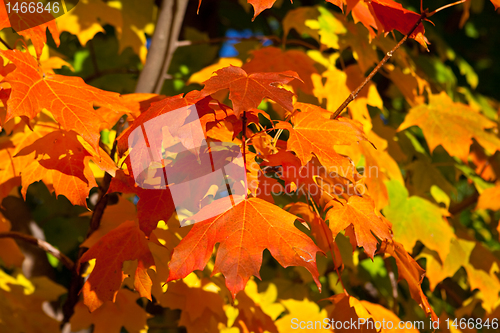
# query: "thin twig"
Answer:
x=388 y=55
x=459 y=207
x=446 y=6
x=5 y=43
x=243 y=138
x=263 y=39
x=47 y=247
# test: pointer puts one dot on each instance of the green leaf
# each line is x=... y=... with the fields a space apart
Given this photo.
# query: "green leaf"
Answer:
x=416 y=219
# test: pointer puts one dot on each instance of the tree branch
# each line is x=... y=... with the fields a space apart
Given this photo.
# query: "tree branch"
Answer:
x=156 y=53
x=274 y=39
x=47 y=247
x=459 y=207
x=388 y=55
x=179 y=10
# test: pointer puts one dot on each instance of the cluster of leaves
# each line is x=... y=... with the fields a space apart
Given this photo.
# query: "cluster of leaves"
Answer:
x=366 y=199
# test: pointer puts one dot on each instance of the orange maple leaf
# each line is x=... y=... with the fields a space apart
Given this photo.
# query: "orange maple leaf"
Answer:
x=69 y=99
x=410 y=270
x=243 y=233
x=313 y=132
x=273 y=59
x=126 y=242
x=246 y=91
x=452 y=125
x=153 y=205
x=31 y=25
x=359 y=213
x=62 y=162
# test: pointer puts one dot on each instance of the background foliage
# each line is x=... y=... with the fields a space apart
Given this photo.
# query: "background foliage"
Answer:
x=431 y=114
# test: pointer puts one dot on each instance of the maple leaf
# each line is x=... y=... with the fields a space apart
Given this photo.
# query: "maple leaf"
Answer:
x=202 y=308
x=32 y=26
x=381 y=314
x=379 y=166
x=437 y=269
x=62 y=161
x=346 y=308
x=135 y=104
x=481 y=267
x=363 y=12
x=363 y=51
x=343 y=82
x=489 y=199
x=12 y=165
x=273 y=59
x=239 y=255
x=125 y=312
x=69 y=99
x=338 y=3
x=21 y=302
x=128 y=243
x=205 y=74
x=301 y=311
x=313 y=132
x=113 y=216
x=295 y=19
x=416 y=219
x=329 y=26
x=83 y=20
x=392 y=15
x=157 y=109
x=409 y=270
x=410 y=84
x=258 y=311
x=153 y=205
x=359 y=213
x=10 y=168
x=452 y=125
x=131 y=19
x=319 y=230
x=260 y=5
x=246 y=91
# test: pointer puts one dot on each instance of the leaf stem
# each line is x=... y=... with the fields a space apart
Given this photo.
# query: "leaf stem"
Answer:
x=388 y=55
x=276 y=138
x=446 y=6
x=47 y=247
x=243 y=138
